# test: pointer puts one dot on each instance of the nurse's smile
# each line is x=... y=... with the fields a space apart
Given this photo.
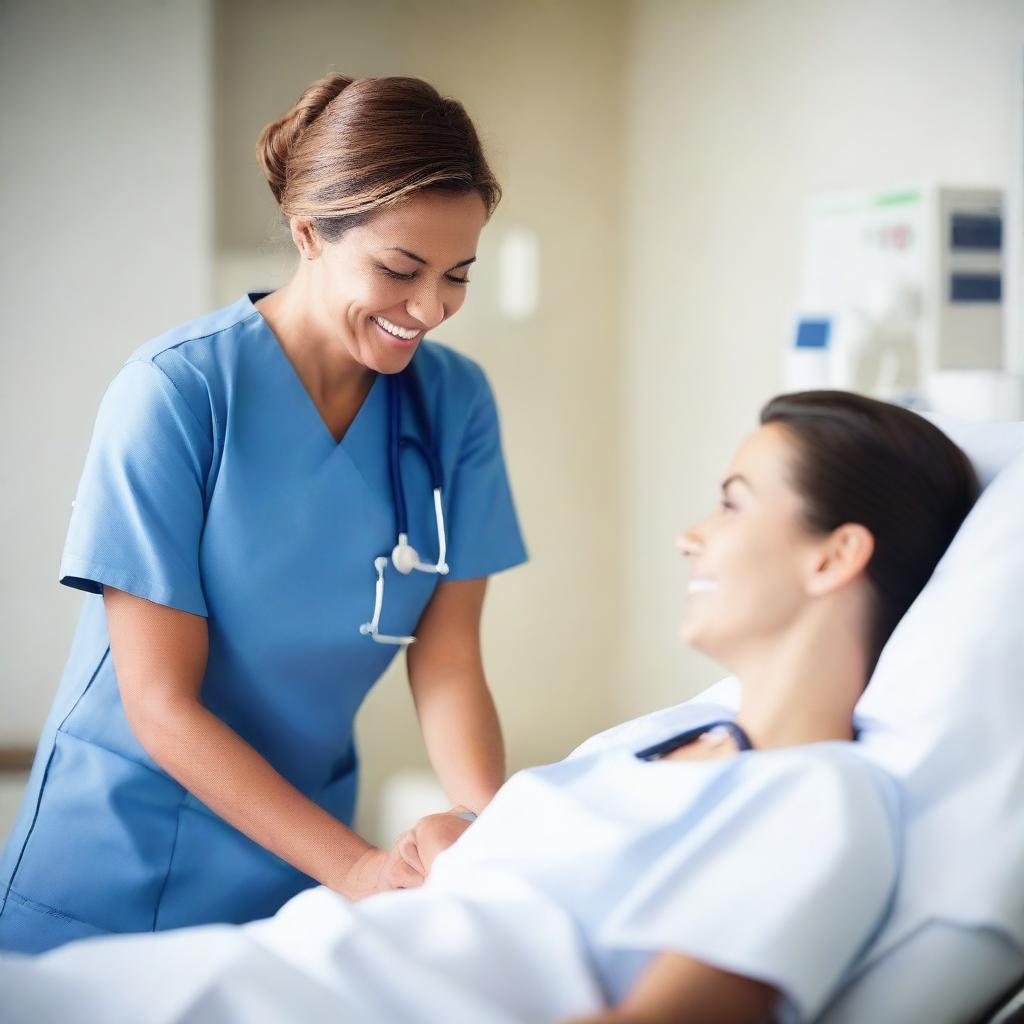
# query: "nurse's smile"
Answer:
x=406 y=334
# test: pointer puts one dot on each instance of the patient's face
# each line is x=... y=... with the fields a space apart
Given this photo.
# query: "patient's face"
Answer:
x=749 y=559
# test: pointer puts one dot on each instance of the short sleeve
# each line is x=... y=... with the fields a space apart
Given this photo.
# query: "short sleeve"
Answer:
x=785 y=878
x=483 y=529
x=138 y=514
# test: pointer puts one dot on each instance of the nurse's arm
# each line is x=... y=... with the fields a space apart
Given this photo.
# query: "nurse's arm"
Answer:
x=454 y=705
x=160 y=658
x=677 y=989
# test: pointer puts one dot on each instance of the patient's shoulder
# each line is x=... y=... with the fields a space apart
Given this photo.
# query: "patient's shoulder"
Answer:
x=837 y=761
x=835 y=776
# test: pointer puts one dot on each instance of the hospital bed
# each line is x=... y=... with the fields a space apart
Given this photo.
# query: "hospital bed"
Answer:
x=1009 y=1009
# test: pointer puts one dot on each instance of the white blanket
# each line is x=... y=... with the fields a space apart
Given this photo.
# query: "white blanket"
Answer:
x=778 y=864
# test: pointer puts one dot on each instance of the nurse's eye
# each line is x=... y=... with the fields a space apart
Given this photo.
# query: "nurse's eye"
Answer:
x=394 y=273
x=726 y=505
x=452 y=278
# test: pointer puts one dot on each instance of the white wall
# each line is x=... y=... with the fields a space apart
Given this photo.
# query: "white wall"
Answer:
x=736 y=111
x=106 y=213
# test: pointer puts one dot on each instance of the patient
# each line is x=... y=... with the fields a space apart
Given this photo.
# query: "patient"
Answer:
x=731 y=873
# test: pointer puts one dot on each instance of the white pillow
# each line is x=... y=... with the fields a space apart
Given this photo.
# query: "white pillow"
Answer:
x=991 y=447
x=945 y=712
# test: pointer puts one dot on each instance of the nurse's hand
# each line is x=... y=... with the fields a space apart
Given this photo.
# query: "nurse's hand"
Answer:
x=379 y=871
x=430 y=836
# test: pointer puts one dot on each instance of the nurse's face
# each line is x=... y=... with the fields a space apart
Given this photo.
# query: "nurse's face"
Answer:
x=752 y=560
x=386 y=282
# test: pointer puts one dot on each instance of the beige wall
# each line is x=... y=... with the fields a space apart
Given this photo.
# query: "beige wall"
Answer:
x=105 y=206
x=735 y=112
x=544 y=83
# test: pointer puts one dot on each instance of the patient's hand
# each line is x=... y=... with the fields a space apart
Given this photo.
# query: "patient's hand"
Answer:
x=428 y=837
x=380 y=871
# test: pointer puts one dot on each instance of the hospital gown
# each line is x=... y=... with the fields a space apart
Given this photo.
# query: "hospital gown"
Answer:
x=778 y=865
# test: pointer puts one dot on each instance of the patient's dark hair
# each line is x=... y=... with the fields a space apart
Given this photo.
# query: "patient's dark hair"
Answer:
x=868 y=462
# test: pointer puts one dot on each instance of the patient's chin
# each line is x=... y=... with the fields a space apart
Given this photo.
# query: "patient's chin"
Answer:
x=699 y=633
x=693 y=633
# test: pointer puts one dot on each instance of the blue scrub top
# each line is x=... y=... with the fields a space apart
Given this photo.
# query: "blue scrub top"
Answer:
x=213 y=485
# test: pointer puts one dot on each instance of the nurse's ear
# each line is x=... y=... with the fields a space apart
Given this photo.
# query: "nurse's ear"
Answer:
x=306 y=238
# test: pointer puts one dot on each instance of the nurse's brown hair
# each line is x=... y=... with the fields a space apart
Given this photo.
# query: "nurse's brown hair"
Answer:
x=351 y=146
x=863 y=461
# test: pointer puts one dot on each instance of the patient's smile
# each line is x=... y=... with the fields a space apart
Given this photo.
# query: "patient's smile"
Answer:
x=702 y=586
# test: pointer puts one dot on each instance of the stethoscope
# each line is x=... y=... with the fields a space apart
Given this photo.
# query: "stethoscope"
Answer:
x=404 y=556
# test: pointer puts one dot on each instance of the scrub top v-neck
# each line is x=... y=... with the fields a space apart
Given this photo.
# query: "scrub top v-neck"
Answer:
x=213 y=485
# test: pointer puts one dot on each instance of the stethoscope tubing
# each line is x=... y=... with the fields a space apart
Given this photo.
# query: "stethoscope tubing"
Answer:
x=404 y=556
x=396 y=442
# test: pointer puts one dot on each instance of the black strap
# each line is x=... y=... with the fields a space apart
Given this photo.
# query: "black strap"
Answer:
x=741 y=739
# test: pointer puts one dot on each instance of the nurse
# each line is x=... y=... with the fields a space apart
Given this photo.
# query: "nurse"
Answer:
x=238 y=508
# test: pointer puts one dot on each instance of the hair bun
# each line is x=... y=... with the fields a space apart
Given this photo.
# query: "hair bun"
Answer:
x=335 y=160
x=277 y=139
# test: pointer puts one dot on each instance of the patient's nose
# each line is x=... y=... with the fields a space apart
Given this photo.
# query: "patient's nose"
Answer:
x=689 y=543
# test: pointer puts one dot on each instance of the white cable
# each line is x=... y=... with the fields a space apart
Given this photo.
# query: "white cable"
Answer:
x=370 y=628
x=405 y=558
x=442 y=540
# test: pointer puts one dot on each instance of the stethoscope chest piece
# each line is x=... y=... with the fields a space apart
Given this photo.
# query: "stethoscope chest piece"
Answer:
x=405 y=558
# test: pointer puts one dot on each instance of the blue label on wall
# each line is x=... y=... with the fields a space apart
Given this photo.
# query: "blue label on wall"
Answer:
x=813 y=333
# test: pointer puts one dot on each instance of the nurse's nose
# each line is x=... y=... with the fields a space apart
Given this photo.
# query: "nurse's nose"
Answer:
x=425 y=305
